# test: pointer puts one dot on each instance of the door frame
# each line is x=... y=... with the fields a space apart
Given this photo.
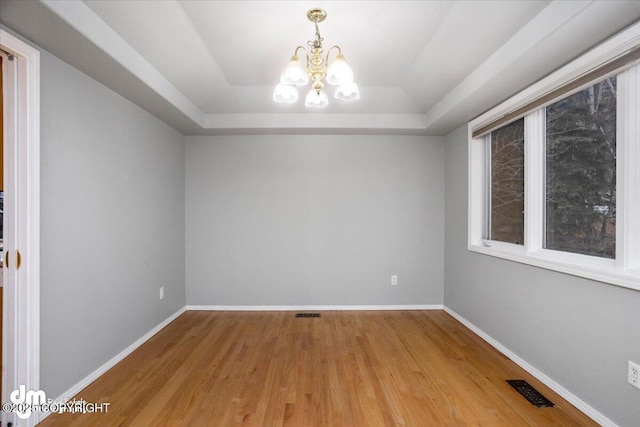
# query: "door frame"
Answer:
x=21 y=326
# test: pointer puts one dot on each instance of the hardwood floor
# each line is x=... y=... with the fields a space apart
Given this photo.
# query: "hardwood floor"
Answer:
x=392 y=368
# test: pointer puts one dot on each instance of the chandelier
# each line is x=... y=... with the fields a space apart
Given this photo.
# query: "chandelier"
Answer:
x=338 y=73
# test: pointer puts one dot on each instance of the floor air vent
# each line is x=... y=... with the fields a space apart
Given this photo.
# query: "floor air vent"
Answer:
x=307 y=314
x=530 y=393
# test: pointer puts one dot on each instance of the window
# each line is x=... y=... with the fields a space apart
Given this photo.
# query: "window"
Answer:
x=553 y=171
x=507 y=183
x=580 y=196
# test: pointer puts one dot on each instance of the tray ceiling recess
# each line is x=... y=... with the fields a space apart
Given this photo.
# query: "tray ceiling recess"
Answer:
x=422 y=67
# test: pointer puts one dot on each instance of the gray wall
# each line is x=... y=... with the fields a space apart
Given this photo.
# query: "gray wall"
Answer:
x=579 y=332
x=112 y=216
x=287 y=220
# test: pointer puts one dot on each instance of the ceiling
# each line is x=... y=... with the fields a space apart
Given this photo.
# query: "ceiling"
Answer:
x=424 y=67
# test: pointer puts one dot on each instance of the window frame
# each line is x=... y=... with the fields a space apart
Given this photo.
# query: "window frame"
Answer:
x=624 y=270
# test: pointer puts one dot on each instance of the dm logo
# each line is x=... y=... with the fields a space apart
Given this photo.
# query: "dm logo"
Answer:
x=25 y=400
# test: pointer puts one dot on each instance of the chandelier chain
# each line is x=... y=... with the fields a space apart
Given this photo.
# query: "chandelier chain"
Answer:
x=317 y=43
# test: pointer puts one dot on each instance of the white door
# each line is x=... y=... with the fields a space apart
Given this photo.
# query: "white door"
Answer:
x=21 y=272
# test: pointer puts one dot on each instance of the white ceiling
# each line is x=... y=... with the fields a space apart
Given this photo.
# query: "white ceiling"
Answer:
x=423 y=66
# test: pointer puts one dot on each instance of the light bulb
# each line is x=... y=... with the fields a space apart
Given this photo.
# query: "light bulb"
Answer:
x=339 y=72
x=285 y=94
x=316 y=99
x=295 y=73
x=348 y=92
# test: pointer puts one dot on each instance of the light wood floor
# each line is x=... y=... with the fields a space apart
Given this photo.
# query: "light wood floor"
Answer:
x=401 y=368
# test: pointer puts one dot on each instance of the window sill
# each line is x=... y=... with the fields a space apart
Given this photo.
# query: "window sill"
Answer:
x=589 y=267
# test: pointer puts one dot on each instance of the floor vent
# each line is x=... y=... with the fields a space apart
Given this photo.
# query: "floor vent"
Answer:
x=307 y=314
x=530 y=393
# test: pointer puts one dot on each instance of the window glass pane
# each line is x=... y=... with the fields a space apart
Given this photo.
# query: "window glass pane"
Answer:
x=581 y=172
x=507 y=183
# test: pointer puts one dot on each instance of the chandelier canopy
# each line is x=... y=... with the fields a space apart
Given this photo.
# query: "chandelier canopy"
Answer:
x=338 y=73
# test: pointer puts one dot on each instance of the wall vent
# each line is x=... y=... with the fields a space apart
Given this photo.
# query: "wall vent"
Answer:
x=307 y=314
x=531 y=394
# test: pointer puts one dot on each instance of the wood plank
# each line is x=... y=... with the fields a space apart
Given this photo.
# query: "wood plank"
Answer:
x=385 y=368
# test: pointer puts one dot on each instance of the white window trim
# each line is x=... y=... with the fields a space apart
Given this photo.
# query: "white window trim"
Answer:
x=625 y=269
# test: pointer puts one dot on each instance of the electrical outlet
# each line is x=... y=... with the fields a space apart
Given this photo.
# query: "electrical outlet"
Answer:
x=162 y=292
x=394 y=280
x=633 y=376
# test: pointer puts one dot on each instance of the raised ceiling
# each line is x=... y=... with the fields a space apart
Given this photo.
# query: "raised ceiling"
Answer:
x=424 y=67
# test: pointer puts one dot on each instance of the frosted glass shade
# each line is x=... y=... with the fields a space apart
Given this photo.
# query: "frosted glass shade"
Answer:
x=295 y=73
x=348 y=92
x=316 y=99
x=339 y=72
x=285 y=94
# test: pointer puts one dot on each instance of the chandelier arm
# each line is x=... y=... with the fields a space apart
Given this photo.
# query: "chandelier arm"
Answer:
x=305 y=53
x=326 y=60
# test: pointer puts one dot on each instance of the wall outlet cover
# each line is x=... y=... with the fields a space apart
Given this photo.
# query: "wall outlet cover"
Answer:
x=633 y=376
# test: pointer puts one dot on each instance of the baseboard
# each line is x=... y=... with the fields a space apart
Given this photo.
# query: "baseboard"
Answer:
x=543 y=378
x=77 y=388
x=313 y=307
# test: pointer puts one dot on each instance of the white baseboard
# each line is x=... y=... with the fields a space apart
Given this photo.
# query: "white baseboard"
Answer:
x=77 y=388
x=313 y=307
x=543 y=378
